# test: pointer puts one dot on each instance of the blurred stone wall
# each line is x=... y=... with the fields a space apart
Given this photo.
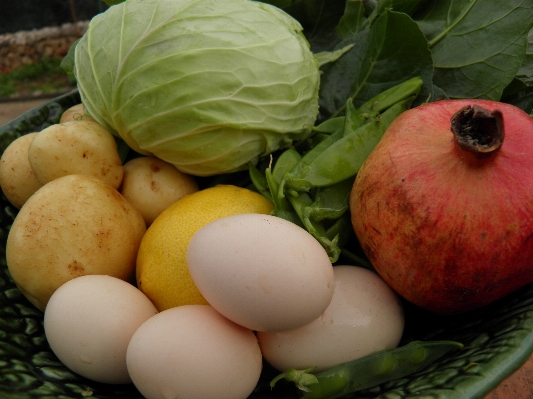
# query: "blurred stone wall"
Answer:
x=27 y=47
x=22 y=15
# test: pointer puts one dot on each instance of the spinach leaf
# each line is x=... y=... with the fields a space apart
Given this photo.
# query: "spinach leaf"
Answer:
x=520 y=95
x=524 y=101
x=391 y=51
x=477 y=45
x=405 y=6
x=353 y=19
x=319 y=19
x=525 y=73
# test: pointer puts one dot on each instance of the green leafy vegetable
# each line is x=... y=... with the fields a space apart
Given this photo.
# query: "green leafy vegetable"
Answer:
x=391 y=51
x=113 y=2
x=203 y=84
x=461 y=49
x=477 y=46
x=442 y=48
x=312 y=190
x=319 y=19
x=353 y=19
x=525 y=72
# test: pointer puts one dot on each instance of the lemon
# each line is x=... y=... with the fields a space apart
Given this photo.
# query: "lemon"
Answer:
x=162 y=272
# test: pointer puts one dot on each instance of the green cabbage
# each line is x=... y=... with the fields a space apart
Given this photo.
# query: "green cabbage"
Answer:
x=207 y=85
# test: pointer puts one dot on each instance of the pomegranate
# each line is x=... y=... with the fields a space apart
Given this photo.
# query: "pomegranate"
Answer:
x=443 y=206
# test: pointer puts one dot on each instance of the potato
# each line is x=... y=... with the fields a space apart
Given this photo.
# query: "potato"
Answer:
x=17 y=179
x=152 y=185
x=75 y=113
x=73 y=226
x=79 y=147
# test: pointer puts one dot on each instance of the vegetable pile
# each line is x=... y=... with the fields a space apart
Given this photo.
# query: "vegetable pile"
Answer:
x=429 y=50
x=288 y=99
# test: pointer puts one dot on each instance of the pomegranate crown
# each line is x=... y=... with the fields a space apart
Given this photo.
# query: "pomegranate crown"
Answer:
x=478 y=130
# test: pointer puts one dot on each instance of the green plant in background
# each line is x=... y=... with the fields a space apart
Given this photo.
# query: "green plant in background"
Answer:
x=46 y=76
x=7 y=85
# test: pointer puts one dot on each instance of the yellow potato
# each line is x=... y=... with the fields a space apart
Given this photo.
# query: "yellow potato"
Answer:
x=73 y=226
x=17 y=179
x=152 y=185
x=79 y=147
x=75 y=113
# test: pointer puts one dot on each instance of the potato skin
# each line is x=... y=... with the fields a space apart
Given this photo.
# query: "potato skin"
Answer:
x=17 y=179
x=73 y=226
x=152 y=185
x=75 y=113
x=78 y=147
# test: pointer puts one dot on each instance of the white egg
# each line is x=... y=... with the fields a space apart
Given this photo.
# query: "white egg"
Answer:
x=192 y=352
x=89 y=322
x=261 y=271
x=364 y=316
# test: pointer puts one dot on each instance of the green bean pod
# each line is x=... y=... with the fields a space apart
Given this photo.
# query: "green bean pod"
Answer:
x=330 y=202
x=286 y=162
x=389 y=97
x=259 y=181
x=340 y=155
x=316 y=229
x=354 y=119
x=303 y=166
x=312 y=190
x=331 y=125
x=368 y=371
x=282 y=207
x=342 y=229
x=343 y=158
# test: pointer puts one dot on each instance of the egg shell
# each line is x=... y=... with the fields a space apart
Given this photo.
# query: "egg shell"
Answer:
x=364 y=316
x=89 y=322
x=191 y=352
x=261 y=271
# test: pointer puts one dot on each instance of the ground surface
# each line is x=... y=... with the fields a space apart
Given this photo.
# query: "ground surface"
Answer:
x=11 y=109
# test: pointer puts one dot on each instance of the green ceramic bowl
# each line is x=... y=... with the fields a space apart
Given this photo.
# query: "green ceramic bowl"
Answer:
x=498 y=338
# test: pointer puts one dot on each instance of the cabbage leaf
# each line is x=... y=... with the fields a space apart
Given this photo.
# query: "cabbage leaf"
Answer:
x=207 y=85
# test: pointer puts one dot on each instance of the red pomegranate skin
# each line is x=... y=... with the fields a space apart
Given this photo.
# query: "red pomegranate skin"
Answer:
x=449 y=232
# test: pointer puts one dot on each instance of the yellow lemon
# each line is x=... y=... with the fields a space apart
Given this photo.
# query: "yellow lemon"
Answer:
x=162 y=271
